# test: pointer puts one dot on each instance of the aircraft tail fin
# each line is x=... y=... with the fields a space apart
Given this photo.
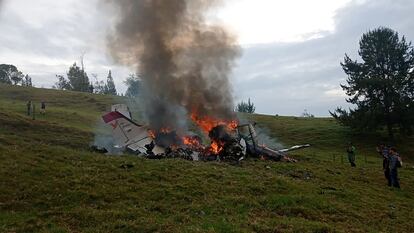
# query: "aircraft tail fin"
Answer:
x=127 y=133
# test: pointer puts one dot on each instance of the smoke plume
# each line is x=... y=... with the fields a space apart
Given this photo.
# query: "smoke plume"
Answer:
x=184 y=61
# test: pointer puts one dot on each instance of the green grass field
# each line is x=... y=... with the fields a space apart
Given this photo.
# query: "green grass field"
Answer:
x=51 y=182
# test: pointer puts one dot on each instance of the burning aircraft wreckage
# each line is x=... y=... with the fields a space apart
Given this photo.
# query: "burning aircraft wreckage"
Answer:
x=184 y=61
x=229 y=141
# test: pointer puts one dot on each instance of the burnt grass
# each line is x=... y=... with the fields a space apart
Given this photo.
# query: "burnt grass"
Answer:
x=51 y=182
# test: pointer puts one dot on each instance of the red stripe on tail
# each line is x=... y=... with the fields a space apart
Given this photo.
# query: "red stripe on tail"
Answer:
x=112 y=116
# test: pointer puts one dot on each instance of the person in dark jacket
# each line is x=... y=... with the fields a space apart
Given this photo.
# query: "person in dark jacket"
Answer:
x=351 y=154
x=395 y=162
x=43 y=108
x=383 y=151
x=29 y=107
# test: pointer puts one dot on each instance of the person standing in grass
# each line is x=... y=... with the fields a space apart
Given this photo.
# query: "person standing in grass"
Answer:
x=395 y=162
x=351 y=154
x=29 y=107
x=383 y=151
x=43 y=108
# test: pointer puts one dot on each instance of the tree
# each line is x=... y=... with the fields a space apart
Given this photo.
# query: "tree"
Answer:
x=78 y=79
x=62 y=83
x=99 y=86
x=306 y=114
x=6 y=72
x=9 y=74
x=16 y=77
x=382 y=85
x=27 y=81
x=110 y=85
x=133 y=83
x=91 y=88
x=246 y=107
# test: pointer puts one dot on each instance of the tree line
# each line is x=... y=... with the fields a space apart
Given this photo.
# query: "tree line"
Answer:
x=77 y=80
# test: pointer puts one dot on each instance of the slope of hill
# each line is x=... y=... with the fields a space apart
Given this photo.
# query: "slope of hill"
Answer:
x=51 y=182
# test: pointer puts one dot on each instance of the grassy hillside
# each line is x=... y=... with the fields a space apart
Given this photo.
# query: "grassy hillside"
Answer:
x=50 y=182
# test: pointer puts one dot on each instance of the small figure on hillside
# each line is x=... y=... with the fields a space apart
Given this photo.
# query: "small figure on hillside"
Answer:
x=351 y=154
x=43 y=108
x=395 y=162
x=29 y=107
x=383 y=151
x=129 y=112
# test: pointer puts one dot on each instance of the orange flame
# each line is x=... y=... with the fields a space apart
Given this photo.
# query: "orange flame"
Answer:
x=207 y=123
x=215 y=148
x=151 y=133
x=192 y=142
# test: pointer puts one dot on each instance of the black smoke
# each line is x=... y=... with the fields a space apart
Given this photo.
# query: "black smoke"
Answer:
x=184 y=61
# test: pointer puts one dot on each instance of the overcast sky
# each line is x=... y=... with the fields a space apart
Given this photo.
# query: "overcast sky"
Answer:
x=291 y=49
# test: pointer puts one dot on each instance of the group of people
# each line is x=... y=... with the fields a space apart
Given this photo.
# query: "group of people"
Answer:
x=390 y=164
x=30 y=107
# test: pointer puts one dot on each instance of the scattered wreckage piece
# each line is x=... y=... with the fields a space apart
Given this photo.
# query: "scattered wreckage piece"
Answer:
x=227 y=143
x=247 y=133
x=180 y=153
x=97 y=149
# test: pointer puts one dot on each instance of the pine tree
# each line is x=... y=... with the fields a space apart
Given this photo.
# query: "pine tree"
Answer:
x=382 y=85
x=246 y=107
x=110 y=85
x=78 y=79
x=27 y=81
